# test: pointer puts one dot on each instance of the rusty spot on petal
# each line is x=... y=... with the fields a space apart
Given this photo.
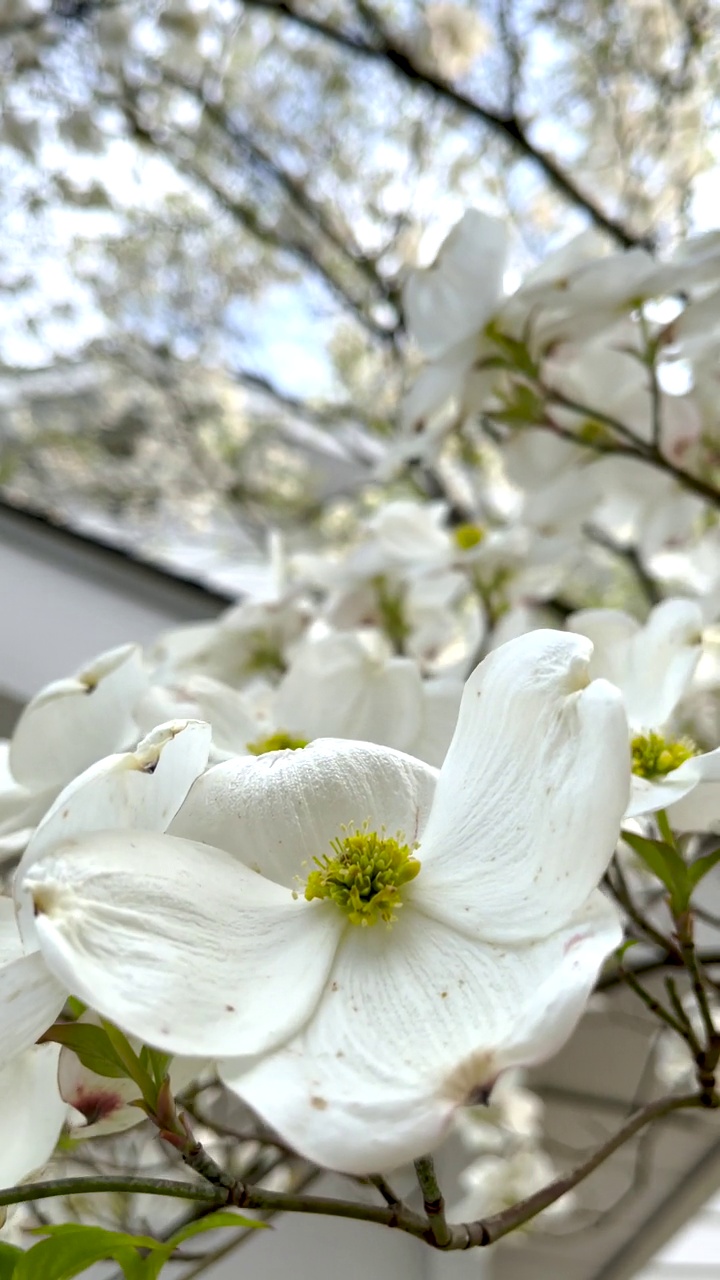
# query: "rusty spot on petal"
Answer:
x=320 y=1104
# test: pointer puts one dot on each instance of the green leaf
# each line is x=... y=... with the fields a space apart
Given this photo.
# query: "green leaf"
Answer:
x=665 y=863
x=68 y=1253
x=223 y=1218
x=9 y=1256
x=133 y=1066
x=92 y=1046
x=155 y=1063
x=701 y=866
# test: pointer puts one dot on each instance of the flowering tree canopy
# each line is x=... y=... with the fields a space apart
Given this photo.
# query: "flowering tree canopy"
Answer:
x=350 y=859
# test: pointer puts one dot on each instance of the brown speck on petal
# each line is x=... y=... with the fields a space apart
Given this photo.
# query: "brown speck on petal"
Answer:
x=320 y=1104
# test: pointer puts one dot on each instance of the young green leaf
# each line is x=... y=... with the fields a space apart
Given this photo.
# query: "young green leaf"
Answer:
x=9 y=1256
x=133 y=1066
x=211 y=1222
x=67 y=1253
x=92 y=1046
x=701 y=866
x=665 y=863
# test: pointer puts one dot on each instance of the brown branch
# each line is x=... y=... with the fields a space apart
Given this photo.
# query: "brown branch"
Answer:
x=501 y=1224
x=461 y=1236
x=248 y=217
x=292 y=187
x=387 y=49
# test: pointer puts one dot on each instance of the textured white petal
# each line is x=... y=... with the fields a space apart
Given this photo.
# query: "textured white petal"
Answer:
x=73 y=722
x=141 y=789
x=180 y=944
x=278 y=811
x=529 y=800
x=30 y=1000
x=414 y=1020
x=32 y=1112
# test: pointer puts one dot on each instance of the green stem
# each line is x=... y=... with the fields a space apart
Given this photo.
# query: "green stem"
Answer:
x=665 y=829
x=653 y=1005
x=82 y=1186
x=676 y=1003
x=433 y=1201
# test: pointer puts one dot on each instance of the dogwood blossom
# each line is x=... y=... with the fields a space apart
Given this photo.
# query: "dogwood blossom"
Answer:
x=62 y=730
x=654 y=665
x=236 y=935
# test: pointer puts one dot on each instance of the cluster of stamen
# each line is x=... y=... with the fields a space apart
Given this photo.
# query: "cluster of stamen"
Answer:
x=280 y=741
x=468 y=535
x=653 y=756
x=364 y=875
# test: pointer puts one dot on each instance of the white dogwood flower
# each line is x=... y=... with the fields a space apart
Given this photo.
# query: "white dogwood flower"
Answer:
x=653 y=666
x=240 y=935
x=63 y=729
x=136 y=789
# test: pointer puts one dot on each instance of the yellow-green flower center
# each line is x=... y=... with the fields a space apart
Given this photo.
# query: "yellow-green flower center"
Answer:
x=364 y=875
x=468 y=535
x=280 y=741
x=653 y=756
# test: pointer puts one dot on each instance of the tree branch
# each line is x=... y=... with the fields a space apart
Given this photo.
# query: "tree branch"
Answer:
x=388 y=49
x=295 y=191
x=248 y=217
x=462 y=1236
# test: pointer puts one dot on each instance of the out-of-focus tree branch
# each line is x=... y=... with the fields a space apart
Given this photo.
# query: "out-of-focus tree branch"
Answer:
x=386 y=48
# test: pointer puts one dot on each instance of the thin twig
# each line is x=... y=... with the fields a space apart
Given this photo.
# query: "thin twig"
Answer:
x=658 y=1010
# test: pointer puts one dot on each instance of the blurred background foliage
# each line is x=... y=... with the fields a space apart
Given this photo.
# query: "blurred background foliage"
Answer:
x=208 y=207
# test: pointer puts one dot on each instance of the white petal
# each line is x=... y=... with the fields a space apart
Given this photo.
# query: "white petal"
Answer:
x=202 y=698
x=652 y=665
x=20 y=809
x=73 y=722
x=441 y=704
x=141 y=789
x=180 y=944
x=32 y=1112
x=413 y=1021
x=432 y=388
x=691 y=793
x=454 y=297
x=278 y=811
x=335 y=688
x=30 y=1000
x=529 y=800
